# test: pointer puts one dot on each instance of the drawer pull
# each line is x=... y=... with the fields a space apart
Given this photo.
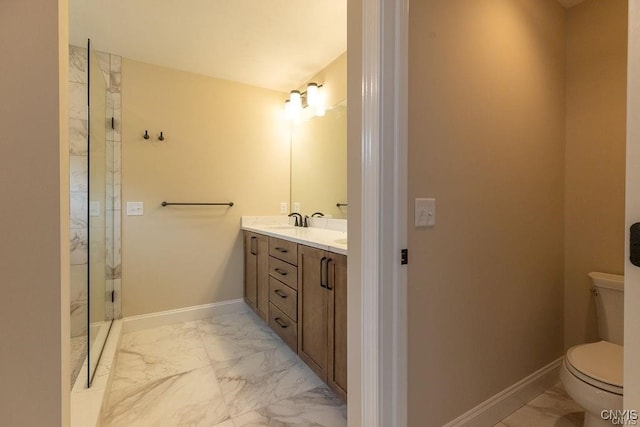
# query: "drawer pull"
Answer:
x=280 y=271
x=280 y=293
x=280 y=322
x=282 y=250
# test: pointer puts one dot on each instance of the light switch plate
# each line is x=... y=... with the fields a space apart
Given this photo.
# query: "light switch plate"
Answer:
x=425 y=212
x=135 y=208
x=296 y=207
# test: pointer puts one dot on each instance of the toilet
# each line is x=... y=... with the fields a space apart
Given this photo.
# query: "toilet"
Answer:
x=592 y=373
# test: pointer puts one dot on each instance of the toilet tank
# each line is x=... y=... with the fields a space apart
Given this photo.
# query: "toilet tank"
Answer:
x=609 y=291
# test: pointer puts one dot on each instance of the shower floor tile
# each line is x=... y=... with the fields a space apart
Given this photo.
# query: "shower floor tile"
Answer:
x=227 y=371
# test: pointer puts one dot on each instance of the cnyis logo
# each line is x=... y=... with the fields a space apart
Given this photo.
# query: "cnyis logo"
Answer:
x=626 y=417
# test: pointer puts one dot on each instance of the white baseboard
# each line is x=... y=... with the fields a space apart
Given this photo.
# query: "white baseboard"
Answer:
x=196 y=312
x=496 y=408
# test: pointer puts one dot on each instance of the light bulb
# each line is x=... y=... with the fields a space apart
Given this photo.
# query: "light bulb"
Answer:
x=296 y=101
x=312 y=94
x=320 y=103
x=288 y=114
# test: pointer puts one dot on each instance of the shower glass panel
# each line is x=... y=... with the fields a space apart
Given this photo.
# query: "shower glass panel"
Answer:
x=100 y=211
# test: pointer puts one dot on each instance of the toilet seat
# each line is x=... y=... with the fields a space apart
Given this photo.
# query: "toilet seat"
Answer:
x=599 y=364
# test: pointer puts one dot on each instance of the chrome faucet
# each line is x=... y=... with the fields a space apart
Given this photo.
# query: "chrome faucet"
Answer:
x=298 y=216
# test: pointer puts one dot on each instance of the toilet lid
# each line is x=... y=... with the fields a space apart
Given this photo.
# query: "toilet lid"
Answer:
x=600 y=361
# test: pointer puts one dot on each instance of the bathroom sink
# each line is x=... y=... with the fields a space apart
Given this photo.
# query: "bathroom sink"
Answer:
x=341 y=241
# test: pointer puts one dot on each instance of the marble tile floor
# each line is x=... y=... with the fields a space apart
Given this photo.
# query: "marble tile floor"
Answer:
x=78 y=355
x=553 y=408
x=226 y=371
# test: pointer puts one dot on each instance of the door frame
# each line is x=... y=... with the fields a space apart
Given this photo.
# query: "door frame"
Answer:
x=378 y=198
x=632 y=214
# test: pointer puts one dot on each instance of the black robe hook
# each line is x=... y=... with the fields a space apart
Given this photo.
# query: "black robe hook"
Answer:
x=161 y=137
x=146 y=135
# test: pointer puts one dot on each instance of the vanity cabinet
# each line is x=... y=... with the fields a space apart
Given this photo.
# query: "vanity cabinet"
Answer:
x=301 y=292
x=283 y=285
x=256 y=273
x=322 y=315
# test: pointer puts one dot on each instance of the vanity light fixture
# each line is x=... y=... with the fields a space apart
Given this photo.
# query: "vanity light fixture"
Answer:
x=313 y=98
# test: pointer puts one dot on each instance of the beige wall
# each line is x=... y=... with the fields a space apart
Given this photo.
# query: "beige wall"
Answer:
x=224 y=142
x=34 y=249
x=595 y=156
x=334 y=77
x=486 y=139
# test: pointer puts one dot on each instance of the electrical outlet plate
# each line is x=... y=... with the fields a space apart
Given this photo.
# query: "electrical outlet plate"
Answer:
x=296 y=207
x=283 y=207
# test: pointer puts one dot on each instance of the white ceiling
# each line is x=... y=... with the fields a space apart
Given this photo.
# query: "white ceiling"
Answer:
x=276 y=44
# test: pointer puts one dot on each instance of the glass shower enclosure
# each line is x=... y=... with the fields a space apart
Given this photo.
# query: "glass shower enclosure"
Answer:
x=100 y=212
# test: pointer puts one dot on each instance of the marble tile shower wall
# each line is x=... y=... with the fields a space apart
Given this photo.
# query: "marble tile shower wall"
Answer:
x=78 y=164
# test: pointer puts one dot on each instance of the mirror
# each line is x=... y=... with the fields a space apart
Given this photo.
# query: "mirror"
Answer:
x=319 y=163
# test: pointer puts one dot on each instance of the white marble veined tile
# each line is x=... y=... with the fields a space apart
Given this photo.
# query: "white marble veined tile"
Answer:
x=77 y=64
x=78 y=100
x=78 y=173
x=78 y=141
x=117 y=307
x=78 y=246
x=104 y=61
x=255 y=381
x=227 y=423
x=117 y=161
x=553 y=408
x=78 y=209
x=79 y=280
x=78 y=318
x=232 y=336
x=186 y=399
x=115 y=81
x=317 y=407
x=159 y=352
x=116 y=63
x=117 y=114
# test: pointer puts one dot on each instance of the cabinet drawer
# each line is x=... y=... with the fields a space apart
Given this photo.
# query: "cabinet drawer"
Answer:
x=283 y=297
x=284 y=326
x=284 y=250
x=284 y=272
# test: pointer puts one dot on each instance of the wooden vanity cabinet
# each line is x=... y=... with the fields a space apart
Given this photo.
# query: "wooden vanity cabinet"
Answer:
x=322 y=315
x=283 y=285
x=256 y=273
x=301 y=292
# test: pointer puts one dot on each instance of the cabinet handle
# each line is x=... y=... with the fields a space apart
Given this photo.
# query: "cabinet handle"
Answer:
x=280 y=271
x=282 y=250
x=280 y=293
x=280 y=322
x=253 y=251
x=327 y=273
x=322 y=272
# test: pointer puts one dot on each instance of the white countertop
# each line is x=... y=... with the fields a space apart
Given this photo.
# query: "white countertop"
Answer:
x=327 y=234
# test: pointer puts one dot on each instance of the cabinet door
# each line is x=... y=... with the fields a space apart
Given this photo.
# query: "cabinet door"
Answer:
x=312 y=310
x=250 y=269
x=337 y=284
x=262 y=276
